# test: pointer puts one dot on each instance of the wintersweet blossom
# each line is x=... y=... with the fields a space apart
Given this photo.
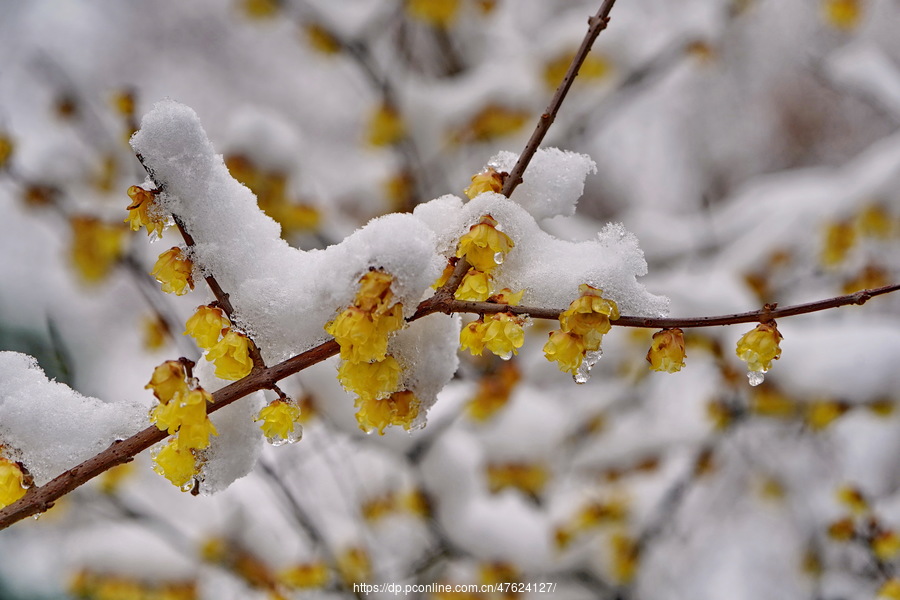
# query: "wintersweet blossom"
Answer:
x=445 y=275
x=186 y=414
x=355 y=331
x=206 y=325
x=503 y=334
x=12 y=482
x=177 y=465
x=174 y=271
x=400 y=408
x=475 y=287
x=471 y=337
x=374 y=294
x=305 y=576
x=589 y=316
x=231 y=356
x=482 y=243
x=507 y=296
x=842 y=14
x=96 y=246
x=279 y=419
x=486 y=181
x=667 y=351
x=565 y=348
x=386 y=126
x=439 y=13
x=143 y=211
x=168 y=379
x=370 y=379
x=759 y=347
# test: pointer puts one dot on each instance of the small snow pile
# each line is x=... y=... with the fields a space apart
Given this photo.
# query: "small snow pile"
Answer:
x=50 y=427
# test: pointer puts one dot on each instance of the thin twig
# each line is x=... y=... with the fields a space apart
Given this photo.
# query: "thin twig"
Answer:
x=597 y=24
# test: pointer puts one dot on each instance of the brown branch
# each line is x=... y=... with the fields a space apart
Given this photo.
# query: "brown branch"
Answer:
x=597 y=24
x=450 y=305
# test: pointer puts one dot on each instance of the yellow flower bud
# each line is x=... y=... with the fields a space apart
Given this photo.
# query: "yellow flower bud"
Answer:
x=370 y=379
x=886 y=545
x=759 y=347
x=206 y=325
x=386 y=127
x=174 y=271
x=565 y=348
x=321 y=39
x=280 y=420
x=355 y=331
x=168 y=379
x=6 y=149
x=890 y=590
x=374 y=294
x=842 y=14
x=475 y=287
x=186 y=414
x=589 y=316
x=667 y=351
x=482 y=243
x=354 y=566
x=12 y=482
x=439 y=13
x=529 y=478
x=177 y=465
x=305 y=576
x=143 y=211
x=231 y=356
x=471 y=337
x=400 y=408
x=96 y=246
x=486 y=181
x=503 y=334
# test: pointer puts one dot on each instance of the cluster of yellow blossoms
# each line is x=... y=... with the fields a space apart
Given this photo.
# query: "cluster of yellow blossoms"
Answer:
x=181 y=411
x=362 y=331
x=483 y=247
x=12 y=482
x=228 y=349
x=105 y=586
x=582 y=327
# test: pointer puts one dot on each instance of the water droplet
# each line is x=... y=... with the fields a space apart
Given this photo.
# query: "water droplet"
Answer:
x=755 y=377
x=581 y=376
x=584 y=370
x=498 y=257
x=37 y=516
x=189 y=486
x=293 y=437
x=505 y=356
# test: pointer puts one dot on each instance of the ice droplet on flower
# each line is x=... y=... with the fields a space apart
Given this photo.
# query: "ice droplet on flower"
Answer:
x=498 y=258
x=505 y=356
x=755 y=377
x=189 y=486
x=584 y=370
x=293 y=437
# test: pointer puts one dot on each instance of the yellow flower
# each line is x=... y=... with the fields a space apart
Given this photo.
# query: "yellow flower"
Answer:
x=279 y=419
x=374 y=294
x=12 y=482
x=445 y=276
x=853 y=498
x=206 y=325
x=626 y=553
x=565 y=348
x=482 y=242
x=759 y=347
x=820 y=415
x=589 y=316
x=667 y=351
x=528 y=477
x=489 y=123
x=96 y=247
x=177 y=465
x=886 y=545
x=400 y=408
x=174 y=271
x=494 y=390
x=890 y=590
x=507 y=296
x=503 y=334
x=386 y=127
x=261 y=9
x=305 y=576
x=186 y=414
x=439 y=13
x=486 y=181
x=156 y=331
x=321 y=39
x=840 y=237
x=354 y=566
x=168 y=379
x=355 y=331
x=231 y=355
x=143 y=211
x=6 y=149
x=475 y=287
x=842 y=14
x=370 y=379
x=471 y=337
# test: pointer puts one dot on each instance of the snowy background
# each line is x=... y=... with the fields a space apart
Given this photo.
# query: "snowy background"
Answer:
x=752 y=148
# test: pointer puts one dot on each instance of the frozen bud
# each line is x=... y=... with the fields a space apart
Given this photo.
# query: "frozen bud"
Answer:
x=667 y=351
x=280 y=420
x=370 y=379
x=174 y=271
x=168 y=379
x=565 y=348
x=177 y=465
x=144 y=212
x=231 y=356
x=589 y=316
x=12 y=482
x=471 y=337
x=475 y=287
x=206 y=325
x=503 y=334
x=486 y=181
x=482 y=243
x=759 y=347
x=400 y=408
